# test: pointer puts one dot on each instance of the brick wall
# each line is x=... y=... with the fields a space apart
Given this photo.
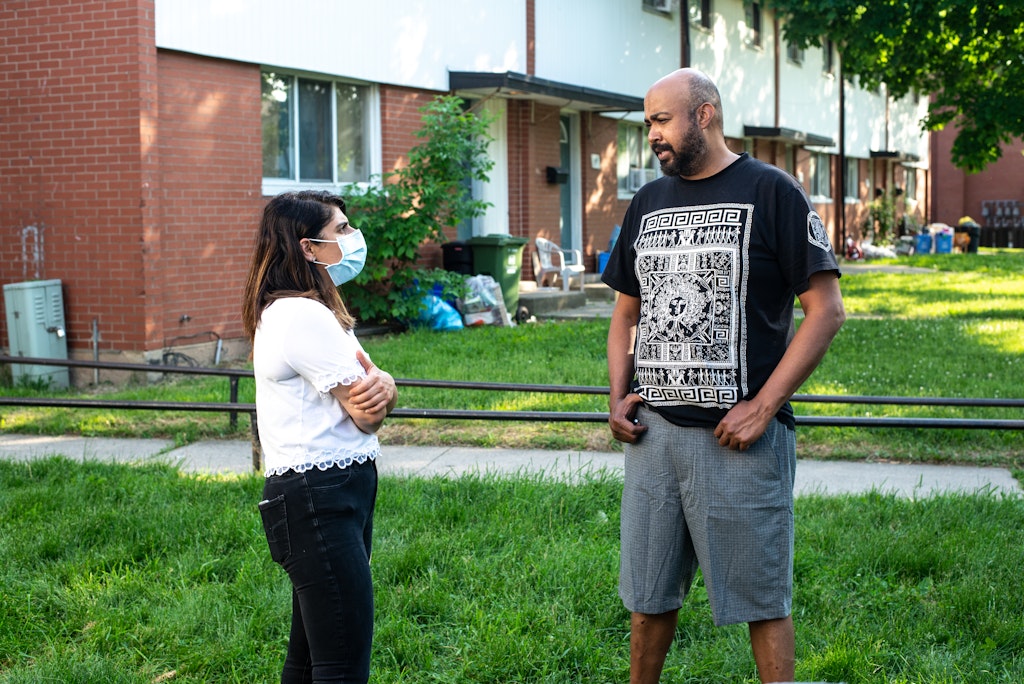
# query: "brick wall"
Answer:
x=400 y=119
x=132 y=177
x=949 y=193
x=519 y=187
x=602 y=209
x=543 y=150
x=534 y=204
x=71 y=158
x=955 y=193
x=210 y=169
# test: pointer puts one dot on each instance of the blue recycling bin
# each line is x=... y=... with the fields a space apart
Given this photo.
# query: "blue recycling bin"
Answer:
x=944 y=243
x=924 y=244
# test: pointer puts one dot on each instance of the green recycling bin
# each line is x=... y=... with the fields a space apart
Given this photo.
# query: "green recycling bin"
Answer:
x=501 y=257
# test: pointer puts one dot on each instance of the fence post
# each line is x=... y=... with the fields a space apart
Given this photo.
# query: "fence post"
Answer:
x=257 y=448
x=233 y=398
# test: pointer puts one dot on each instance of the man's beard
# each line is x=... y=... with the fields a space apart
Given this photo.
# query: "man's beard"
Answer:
x=689 y=162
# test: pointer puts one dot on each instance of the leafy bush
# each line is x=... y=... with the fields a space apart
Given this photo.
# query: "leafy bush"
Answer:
x=401 y=210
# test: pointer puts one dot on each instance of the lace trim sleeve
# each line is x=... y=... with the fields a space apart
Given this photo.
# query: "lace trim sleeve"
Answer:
x=325 y=382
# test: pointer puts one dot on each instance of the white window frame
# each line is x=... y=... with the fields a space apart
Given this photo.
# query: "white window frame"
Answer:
x=371 y=130
x=794 y=54
x=700 y=14
x=821 y=177
x=636 y=166
x=753 y=21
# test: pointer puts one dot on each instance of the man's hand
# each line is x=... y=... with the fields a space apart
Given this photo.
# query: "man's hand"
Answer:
x=822 y=303
x=622 y=419
x=742 y=426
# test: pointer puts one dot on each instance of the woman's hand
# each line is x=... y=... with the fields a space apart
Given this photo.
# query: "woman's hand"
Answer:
x=374 y=393
x=369 y=399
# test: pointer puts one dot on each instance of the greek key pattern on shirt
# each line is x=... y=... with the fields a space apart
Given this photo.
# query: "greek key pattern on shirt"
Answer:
x=691 y=341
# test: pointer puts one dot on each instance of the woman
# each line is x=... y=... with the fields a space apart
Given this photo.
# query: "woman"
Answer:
x=319 y=401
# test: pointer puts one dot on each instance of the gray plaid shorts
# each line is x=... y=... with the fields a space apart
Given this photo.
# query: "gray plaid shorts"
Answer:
x=688 y=502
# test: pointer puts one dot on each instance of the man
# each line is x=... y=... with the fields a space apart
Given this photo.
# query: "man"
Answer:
x=707 y=265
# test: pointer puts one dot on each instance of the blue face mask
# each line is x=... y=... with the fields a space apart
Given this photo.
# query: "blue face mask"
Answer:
x=353 y=257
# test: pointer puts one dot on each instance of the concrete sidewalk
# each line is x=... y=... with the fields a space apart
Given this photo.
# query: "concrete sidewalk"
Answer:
x=225 y=457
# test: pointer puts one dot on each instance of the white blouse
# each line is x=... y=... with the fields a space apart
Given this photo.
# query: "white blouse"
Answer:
x=300 y=352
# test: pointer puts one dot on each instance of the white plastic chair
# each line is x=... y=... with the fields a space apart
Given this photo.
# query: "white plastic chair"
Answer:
x=551 y=261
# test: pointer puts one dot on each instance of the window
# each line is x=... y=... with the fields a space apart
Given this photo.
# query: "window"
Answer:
x=663 y=6
x=828 y=53
x=752 y=15
x=789 y=160
x=794 y=54
x=700 y=13
x=852 y=191
x=315 y=131
x=637 y=163
x=910 y=174
x=821 y=176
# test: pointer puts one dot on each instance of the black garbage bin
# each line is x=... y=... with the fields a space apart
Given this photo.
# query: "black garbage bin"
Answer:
x=974 y=230
x=457 y=257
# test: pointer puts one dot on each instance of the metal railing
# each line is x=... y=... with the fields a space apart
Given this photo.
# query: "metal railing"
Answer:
x=233 y=407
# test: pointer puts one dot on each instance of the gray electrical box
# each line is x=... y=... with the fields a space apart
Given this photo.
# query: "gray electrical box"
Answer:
x=35 y=328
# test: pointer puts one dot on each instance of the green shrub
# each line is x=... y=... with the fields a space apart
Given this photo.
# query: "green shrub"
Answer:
x=402 y=210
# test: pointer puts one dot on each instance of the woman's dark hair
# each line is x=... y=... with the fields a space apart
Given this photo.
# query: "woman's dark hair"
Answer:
x=279 y=268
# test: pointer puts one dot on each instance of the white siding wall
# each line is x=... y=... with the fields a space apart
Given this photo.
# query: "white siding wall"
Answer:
x=611 y=45
x=744 y=75
x=865 y=122
x=400 y=42
x=905 y=130
x=808 y=98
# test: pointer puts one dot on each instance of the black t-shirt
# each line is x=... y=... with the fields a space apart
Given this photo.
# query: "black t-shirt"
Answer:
x=716 y=264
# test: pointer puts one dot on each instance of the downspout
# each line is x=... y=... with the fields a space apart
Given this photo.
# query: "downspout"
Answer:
x=684 y=36
x=531 y=37
x=842 y=159
x=778 y=71
x=889 y=180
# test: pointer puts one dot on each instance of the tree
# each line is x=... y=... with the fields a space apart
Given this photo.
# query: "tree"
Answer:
x=969 y=56
x=400 y=211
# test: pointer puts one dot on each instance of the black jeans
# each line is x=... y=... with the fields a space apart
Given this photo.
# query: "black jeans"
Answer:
x=319 y=526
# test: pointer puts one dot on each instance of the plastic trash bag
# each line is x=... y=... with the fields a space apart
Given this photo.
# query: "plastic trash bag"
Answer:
x=485 y=303
x=439 y=314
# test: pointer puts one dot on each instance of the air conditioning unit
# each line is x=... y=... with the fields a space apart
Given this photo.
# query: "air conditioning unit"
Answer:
x=638 y=177
x=35 y=326
x=662 y=5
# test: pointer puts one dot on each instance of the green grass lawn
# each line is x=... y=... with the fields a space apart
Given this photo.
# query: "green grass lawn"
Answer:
x=118 y=574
